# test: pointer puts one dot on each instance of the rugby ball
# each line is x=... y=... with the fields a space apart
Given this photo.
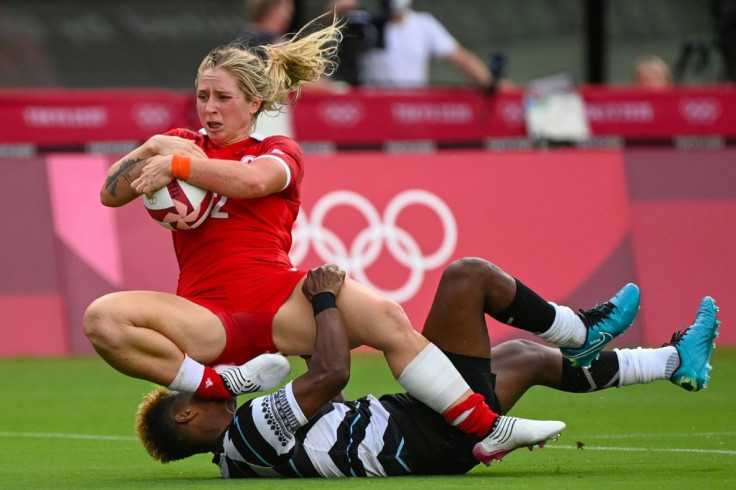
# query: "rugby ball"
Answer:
x=179 y=206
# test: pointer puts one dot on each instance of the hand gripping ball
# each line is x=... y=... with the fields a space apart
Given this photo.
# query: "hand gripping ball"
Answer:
x=179 y=206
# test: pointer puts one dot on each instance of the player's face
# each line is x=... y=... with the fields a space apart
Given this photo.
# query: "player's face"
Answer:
x=223 y=110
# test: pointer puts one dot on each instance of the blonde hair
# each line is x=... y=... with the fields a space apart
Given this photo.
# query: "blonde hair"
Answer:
x=272 y=72
x=157 y=429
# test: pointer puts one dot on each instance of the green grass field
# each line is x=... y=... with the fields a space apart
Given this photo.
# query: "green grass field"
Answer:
x=68 y=423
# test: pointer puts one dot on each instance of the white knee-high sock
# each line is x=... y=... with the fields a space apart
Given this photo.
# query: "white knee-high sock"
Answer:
x=567 y=330
x=646 y=365
x=433 y=379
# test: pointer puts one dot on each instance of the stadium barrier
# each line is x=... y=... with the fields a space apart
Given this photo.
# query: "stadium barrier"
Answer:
x=36 y=121
x=574 y=224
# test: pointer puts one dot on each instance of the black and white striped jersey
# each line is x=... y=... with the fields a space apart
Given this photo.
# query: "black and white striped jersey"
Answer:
x=270 y=437
x=396 y=435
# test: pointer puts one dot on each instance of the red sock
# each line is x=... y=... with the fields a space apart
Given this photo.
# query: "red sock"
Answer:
x=479 y=418
x=212 y=385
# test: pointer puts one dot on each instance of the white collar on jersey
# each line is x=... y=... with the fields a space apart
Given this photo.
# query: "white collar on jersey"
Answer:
x=255 y=136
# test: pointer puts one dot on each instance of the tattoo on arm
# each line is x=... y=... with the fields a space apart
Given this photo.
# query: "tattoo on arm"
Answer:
x=126 y=167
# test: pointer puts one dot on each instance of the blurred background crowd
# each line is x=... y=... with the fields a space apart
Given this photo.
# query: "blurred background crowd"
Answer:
x=159 y=43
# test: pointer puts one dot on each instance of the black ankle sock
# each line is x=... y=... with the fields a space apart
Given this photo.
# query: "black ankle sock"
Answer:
x=602 y=374
x=528 y=311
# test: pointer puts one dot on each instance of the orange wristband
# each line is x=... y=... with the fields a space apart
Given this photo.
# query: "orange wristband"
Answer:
x=180 y=167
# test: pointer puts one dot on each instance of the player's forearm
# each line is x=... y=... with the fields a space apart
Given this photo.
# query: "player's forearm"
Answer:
x=331 y=356
x=329 y=366
x=237 y=180
x=340 y=397
x=116 y=190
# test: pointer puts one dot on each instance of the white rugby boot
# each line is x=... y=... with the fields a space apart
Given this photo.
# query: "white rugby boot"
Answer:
x=259 y=374
x=511 y=433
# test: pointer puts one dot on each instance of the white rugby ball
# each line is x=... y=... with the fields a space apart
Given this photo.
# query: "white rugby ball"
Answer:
x=179 y=206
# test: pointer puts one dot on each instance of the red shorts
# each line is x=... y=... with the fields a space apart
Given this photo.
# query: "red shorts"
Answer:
x=248 y=335
x=247 y=312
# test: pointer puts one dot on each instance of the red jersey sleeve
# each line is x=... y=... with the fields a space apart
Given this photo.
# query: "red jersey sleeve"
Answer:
x=289 y=152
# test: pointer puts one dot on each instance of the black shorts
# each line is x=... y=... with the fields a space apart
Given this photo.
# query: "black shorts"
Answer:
x=433 y=446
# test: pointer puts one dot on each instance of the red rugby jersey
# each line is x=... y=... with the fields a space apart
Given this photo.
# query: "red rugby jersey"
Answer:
x=243 y=239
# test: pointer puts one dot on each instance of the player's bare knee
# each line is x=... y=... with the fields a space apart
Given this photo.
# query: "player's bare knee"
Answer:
x=391 y=322
x=98 y=322
x=473 y=273
x=395 y=316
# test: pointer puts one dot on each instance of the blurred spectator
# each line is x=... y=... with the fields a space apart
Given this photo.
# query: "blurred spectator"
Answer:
x=363 y=30
x=401 y=55
x=23 y=61
x=268 y=21
x=652 y=72
x=724 y=14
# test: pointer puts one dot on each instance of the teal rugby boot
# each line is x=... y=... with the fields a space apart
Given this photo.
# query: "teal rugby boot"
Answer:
x=604 y=322
x=695 y=345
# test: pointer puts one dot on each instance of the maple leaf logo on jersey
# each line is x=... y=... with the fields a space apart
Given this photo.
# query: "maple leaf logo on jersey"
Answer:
x=248 y=158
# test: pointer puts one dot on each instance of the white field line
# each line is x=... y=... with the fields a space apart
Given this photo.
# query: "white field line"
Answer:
x=94 y=437
x=654 y=436
x=643 y=449
x=663 y=434
x=53 y=435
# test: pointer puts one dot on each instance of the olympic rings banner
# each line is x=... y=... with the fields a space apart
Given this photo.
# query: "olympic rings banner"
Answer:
x=394 y=221
x=574 y=225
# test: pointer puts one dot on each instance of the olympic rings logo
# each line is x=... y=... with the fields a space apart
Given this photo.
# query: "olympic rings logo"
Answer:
x=381 y=231
x=700 y=110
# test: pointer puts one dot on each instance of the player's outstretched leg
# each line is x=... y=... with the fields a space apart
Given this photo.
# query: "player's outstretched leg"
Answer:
x=695 y=346
x=510 y=433
x=259 y=374
x=604 y=323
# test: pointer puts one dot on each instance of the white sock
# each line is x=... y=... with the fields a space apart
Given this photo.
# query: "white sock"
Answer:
x=189 y=376
x=646 y=365
x=567 y=330
x=432 y=379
